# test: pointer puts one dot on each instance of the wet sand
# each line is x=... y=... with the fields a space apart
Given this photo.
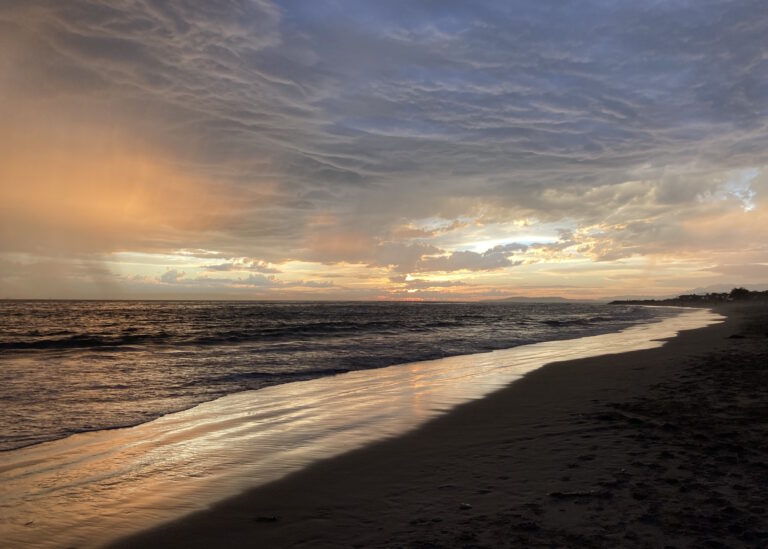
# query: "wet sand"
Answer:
x=654 y=448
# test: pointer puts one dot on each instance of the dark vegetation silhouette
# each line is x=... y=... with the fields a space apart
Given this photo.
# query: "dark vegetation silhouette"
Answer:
x=737 y=295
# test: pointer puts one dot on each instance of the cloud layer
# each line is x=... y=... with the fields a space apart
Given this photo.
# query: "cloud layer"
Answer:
x=433 y=138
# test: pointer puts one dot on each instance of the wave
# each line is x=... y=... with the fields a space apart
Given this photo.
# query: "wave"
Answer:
x=291 y=332
x=276 y=376
x=119 y=364
x=73 y=342
x=37 y=341
x=582 y=321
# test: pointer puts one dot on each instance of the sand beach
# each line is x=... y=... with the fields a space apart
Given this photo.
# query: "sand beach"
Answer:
x=664 y=447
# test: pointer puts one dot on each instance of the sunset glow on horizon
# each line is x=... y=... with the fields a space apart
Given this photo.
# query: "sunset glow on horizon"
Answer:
x=370 y=151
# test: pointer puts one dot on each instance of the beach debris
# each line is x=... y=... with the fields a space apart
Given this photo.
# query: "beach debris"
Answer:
x=581 y=494
x=267 y=518
x=464 y=506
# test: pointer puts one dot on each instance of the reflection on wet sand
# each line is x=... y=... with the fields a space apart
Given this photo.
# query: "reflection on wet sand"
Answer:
x=89 y=488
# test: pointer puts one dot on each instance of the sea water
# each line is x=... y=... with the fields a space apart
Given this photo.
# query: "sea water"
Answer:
x=87 y=488
x=73 y=366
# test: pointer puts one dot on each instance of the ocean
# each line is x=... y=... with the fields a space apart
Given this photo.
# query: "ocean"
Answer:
x=223 y=397
x=76 y=366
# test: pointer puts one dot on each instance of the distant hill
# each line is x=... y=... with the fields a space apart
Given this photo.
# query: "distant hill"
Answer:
x=638 y=297
x=549 y=299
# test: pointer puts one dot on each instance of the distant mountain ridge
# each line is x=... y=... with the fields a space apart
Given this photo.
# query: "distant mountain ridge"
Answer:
x=715 y=292
x=546 y=299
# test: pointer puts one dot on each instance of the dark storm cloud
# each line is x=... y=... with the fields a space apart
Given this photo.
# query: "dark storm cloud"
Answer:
x=379 y=111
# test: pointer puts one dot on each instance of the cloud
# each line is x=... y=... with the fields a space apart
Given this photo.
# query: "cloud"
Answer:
x=422 y=284
x=316 y=284
x=270 y=281
x=466 y=261
x=492 y=259
x=172 y=276
x=749 y=271
x=510 y=248
x=327 y=133
x=259 y=281
x=244 y=265
x=402 y=258
x=50 y=278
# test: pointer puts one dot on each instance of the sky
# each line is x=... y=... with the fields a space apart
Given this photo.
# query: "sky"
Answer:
x=424 y=150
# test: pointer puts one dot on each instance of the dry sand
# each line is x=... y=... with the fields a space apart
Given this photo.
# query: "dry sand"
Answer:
x=659 y=448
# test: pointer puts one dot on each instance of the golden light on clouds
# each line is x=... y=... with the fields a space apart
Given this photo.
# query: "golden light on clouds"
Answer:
x=95 y=193
x=227 y=153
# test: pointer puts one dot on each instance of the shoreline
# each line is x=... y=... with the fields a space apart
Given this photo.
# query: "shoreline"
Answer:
x=275 y=378
x=128 y=480
x=528 y=458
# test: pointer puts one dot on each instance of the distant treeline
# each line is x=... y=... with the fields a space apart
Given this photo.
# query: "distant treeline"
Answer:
x=739 y=295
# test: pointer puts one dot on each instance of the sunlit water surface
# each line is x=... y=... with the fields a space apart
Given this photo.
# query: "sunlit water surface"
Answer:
x=93 y=487
x=72 y=366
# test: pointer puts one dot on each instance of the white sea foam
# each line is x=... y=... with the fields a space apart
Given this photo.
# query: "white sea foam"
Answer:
x=93 y=487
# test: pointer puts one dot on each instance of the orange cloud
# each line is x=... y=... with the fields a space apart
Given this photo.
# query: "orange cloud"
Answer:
x=88 y=190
